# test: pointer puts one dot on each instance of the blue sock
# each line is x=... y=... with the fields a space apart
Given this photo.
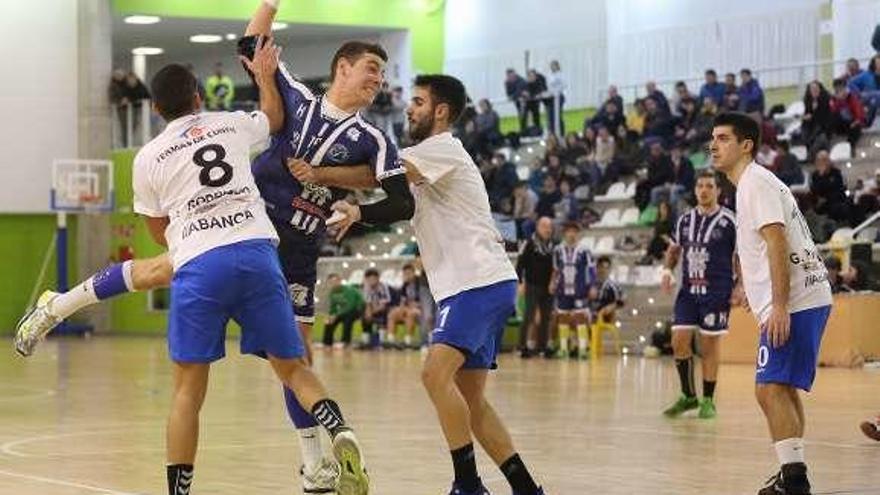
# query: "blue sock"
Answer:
x=300 y=417
x=111 y=281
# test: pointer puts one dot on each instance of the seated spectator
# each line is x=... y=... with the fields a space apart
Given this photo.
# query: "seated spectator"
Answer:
x=660 y=172
x=700 y=132
x=610 y=117
x=658 y=122
x=614 y=97
x=751 y=96
x=817 y=120
x=525 y=200
x=346 y=307
x=766 y=155
x=605 y=296
x=635 y=121
x=682 y=93
x=848 y=114
x=567 y=208
x=662 y=233
x=653 y=93
x=553 y=167
x=627 y=157
x=684 y=178
x=605 y=147
x=829 y=190
x=833 y=265
x=500 y=177
x=377 y=299
x=686 y=121
x=548 y=197
x=551 y=146
x=575 y=150
x=536 y=175
x=731 y=92
x=487 y=127
x=407 y=312
x=786 y=166
x=852 y=70
x=712 y=89
x=867 y=86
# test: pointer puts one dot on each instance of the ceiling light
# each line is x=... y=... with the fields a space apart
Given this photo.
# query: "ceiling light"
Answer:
x=147 y=50
x=206 y=38
x=142 y=19
x=231 y=36
x=278 y=26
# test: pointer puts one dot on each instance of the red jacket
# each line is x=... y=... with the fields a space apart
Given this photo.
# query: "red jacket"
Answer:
x=852 y=103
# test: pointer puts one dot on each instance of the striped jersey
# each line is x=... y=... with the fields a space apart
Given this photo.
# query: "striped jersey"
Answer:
x=708 y=243
x=575 y=270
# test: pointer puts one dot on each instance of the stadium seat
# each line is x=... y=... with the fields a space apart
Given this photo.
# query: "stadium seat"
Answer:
x=795 y=109
x=616 y=191
x=800 y=152
x=605 y=245
x=611 y=218
x=647 y=276
x=356 y=277
x=630 y=191
x=841 y=151
x=398 y=249
x=803 y=187
x=621 y=275
x=630 y=216
x=648 y=215
x=582 y=193
x=588 y=243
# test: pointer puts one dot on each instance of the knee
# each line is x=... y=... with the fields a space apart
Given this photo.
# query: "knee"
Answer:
x=433 y=378
x=764 y=393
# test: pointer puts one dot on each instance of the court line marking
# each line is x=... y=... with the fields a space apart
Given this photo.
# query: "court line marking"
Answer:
x=70 y=484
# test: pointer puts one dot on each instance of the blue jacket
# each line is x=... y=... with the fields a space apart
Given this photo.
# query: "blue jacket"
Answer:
x=865 y=81
x=715 y=91
x=751 y=97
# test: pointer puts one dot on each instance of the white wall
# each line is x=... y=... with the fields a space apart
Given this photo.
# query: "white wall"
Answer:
x=853 y=25
x=38 y=95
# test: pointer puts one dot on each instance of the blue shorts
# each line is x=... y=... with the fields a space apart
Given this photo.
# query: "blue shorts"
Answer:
x=473 y=322
x=572 y=303
x=298 y=253
x=709 y=313
x=242 y=282
x=795 y=362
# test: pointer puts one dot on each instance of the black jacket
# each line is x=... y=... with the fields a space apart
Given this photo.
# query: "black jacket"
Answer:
x=534 y=266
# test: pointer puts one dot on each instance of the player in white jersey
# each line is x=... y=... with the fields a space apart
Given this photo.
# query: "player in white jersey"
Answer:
x=787 y=288
x=193 y=184
x=471 y=277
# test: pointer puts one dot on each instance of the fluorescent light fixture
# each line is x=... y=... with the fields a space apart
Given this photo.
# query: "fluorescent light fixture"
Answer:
x=205 y=38
x=147 y=50
x=278 y=26
x=231 y=36
x=142 y=19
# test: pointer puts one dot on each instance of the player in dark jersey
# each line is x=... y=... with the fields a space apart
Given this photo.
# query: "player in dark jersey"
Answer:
x=407 y=311
x=573 y=273
x=705 y=240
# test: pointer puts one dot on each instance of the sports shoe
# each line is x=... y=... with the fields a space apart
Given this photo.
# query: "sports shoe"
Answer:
x=353 y=479
x=707 y=408
x=870 y=430
x=322 y=478
x=682 y=405
x=790 y=480
x=456 y=490
x=35 y=324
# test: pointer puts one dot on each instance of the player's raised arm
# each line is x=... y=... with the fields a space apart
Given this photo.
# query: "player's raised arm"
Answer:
x=262 y=67
x=261 y=22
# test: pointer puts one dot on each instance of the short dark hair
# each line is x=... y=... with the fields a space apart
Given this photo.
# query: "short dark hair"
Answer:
x=571 y=226
x=744 y=127
x=174 y=90
x=709 y=173
x=747 y=72
x=371 y=272
x=354 y=50
x=445 y=90
x=711 y=72
x=839 y=83
x=603 y=260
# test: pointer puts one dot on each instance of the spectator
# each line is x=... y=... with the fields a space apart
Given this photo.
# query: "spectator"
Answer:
x=534 y=265
x=751 y=96
x=627 y=156
x=658 y=122
x=219 y=90
x=566 y=209
x=119 y=100
x=398 y=114
x=605 y=148
x=136 y=95
x=500 y=178
x=786 y=166
x=575 y=151
x=377 y=299
x=766 y=155
x=515 y=88
x=605 y=295
x=731 y=92
x=829 y=190
x=609 y=117
x=867 y=86
x=487 y=127
x=660 y=172
x=408 y=310
x=548 y=197
x=833 y=265
x=682 y=93
x=635 y=121
x=817 y=119
x=655 y=94
x=848 y=115
x=683 y=176
x=536 y=86
x=346 y=307
x=712 y=89
x=663 y=226
x=555 y=100
x=852 y=70
x=200 y=87
x=524 y=202
x=379 y=112
x=701 y=131
x=615 y=98
x=687 y=120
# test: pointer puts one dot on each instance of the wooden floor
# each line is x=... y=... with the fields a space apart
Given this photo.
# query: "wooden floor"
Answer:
x=87 y=416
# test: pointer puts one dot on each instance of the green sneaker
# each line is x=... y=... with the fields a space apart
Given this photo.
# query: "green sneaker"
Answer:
x=682 y=405
x=562 y=353
x=707 y=408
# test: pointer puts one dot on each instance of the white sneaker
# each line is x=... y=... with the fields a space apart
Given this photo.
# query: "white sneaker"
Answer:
x=322 y=478
x=35 y=324
x=353 y=479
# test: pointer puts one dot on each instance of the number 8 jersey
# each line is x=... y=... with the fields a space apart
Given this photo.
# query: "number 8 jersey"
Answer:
x=197 y=172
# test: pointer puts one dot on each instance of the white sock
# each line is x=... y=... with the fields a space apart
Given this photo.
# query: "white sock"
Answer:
x=582 y=344
x=382 y=336
x=790 y=450
x=74 y=300
x=407 y=339
x=126 y=275
x=310 y=444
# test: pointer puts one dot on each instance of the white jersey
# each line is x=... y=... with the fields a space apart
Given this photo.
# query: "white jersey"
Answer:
x=762 y=199
x=197 y=172
x=460 y=247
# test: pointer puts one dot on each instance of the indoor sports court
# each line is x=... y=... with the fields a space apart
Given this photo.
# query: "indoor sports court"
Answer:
x=413 y=247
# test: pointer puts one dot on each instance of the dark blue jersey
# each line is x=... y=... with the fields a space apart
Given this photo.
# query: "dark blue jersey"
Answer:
x=322 y=135
x=708 y=243
x=608 y=292
x=575 y=270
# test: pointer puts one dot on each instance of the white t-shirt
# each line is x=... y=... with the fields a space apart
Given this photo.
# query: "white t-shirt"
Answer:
x=460 y=247
x=762 y=199
x=197 y=172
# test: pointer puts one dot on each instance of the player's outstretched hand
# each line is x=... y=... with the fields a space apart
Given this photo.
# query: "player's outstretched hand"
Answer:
x=302 y=170
x=778 y=326
x=666 y=281
x=344 y=216
x=265 y=61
